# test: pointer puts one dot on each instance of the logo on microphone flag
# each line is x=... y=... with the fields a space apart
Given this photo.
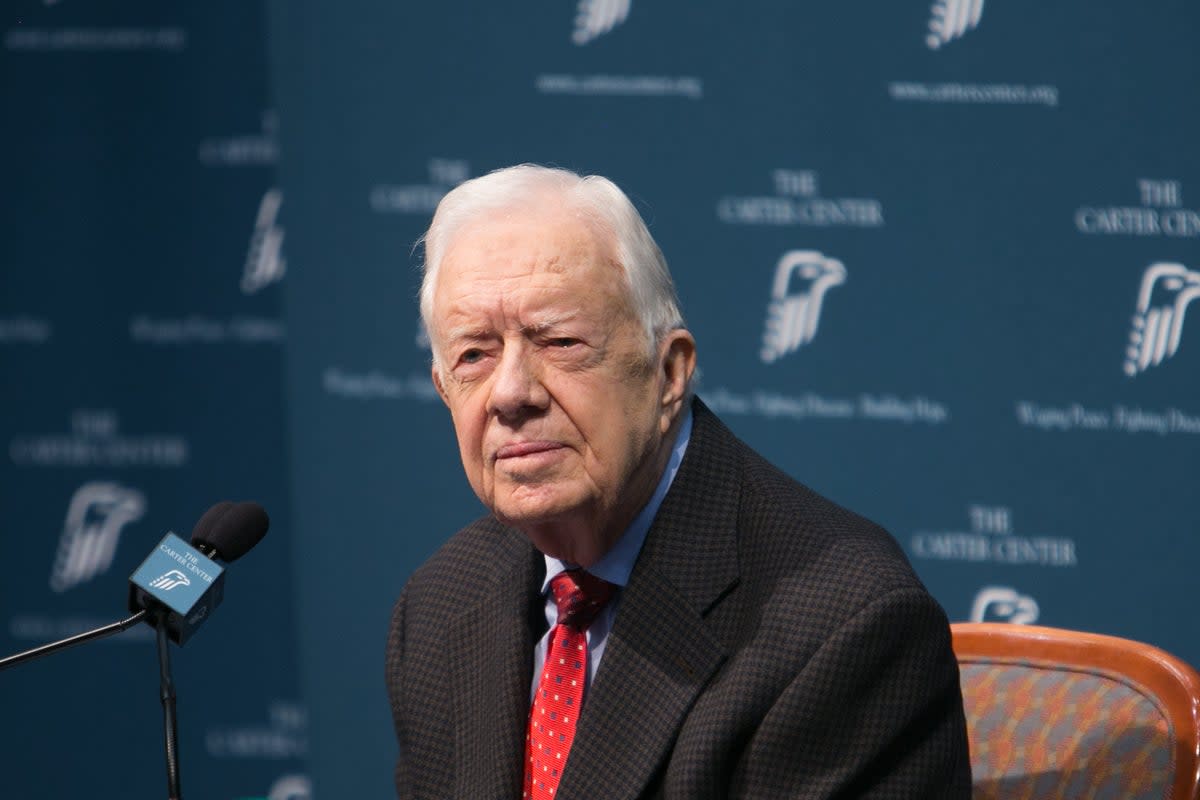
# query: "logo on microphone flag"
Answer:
x=170 y=580
x=181 y=578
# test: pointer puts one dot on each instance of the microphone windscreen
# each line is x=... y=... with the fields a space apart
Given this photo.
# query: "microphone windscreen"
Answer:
x=235 y=531
x=203 y=529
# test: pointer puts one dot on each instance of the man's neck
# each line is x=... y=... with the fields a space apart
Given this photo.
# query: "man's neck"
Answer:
x=636 y=518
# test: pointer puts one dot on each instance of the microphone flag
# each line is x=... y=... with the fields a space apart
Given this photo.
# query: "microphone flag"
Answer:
x=181 y=578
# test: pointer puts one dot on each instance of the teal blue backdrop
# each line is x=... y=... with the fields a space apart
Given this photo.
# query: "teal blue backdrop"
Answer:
x=938 y=255
x=141 y=355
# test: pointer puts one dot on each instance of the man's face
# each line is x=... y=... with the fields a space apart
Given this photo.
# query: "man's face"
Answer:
x=560 y=410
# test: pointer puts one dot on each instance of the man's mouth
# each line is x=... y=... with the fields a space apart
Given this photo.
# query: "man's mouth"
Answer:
x=519 y=449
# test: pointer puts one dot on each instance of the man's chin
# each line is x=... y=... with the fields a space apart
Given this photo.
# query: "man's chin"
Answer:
x=535 y=516
x=529 y=519
x=566 y=530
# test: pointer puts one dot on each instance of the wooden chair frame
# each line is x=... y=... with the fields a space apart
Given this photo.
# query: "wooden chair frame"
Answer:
x=1171 y=680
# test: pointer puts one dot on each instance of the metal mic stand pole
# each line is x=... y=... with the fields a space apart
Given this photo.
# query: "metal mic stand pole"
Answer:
x=79 y=638
x=167 y=695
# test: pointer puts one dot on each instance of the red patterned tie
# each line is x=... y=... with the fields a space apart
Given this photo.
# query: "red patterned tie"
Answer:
x=579 y=597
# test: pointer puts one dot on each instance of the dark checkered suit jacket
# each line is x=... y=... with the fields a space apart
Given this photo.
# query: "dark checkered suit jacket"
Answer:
x=769 y=644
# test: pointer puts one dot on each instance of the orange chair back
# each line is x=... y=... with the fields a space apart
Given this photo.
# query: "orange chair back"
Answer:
x=1062 y=714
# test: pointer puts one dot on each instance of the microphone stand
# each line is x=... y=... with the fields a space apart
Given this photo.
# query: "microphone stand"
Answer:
x=71 y=641
x=166 y=684
x=166 y=693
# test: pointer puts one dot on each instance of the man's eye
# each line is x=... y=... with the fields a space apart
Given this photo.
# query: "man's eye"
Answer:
x=563 y=341
x=470 y=356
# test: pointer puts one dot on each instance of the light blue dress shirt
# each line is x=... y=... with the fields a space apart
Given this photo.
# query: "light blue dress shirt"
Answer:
x=614 y=567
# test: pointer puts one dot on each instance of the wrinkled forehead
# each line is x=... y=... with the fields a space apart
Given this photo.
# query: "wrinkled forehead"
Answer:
x=550 y=211
x=515 y=243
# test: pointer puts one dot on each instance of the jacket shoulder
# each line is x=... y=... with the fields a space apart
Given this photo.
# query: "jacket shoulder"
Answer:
x=787 y=529
x=467 y=564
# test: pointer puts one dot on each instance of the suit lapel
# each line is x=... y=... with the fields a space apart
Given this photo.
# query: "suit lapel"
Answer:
x=660 y=653
x=489 y=656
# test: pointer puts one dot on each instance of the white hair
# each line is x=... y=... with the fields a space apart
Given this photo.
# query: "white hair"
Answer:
x=597 y=198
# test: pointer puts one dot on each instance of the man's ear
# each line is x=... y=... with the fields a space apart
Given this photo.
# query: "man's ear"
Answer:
x=437 y=384
x=678 y=362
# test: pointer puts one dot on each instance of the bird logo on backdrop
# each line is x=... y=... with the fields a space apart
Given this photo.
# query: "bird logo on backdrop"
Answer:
x=291 y=787
x=1002 y=604
x=801 y=280
x=265 y=263
x=951 y=19
x=597 y=17
x=95 y=516
x=1157 y=328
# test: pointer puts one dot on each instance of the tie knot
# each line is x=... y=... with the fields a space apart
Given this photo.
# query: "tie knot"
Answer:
x=579 y=596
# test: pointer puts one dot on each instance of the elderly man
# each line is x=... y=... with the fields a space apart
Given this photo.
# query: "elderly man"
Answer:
x=650 y=609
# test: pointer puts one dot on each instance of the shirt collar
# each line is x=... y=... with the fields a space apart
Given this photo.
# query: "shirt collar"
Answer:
x=616 y=565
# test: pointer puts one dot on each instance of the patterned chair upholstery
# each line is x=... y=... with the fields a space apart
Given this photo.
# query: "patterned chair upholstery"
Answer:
x=1062 y=714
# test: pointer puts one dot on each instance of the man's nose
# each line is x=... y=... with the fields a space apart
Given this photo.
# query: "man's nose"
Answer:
x=517 y=386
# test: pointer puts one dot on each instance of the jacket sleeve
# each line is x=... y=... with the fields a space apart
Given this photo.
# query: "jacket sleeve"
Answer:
x=876 y=712
x=394 y=677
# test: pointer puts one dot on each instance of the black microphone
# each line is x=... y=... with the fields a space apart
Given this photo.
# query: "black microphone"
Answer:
x=228 y=531
x=181 y=597
x=181 y=583
x=220 y=533
x=174 y=590
x=205 y=524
